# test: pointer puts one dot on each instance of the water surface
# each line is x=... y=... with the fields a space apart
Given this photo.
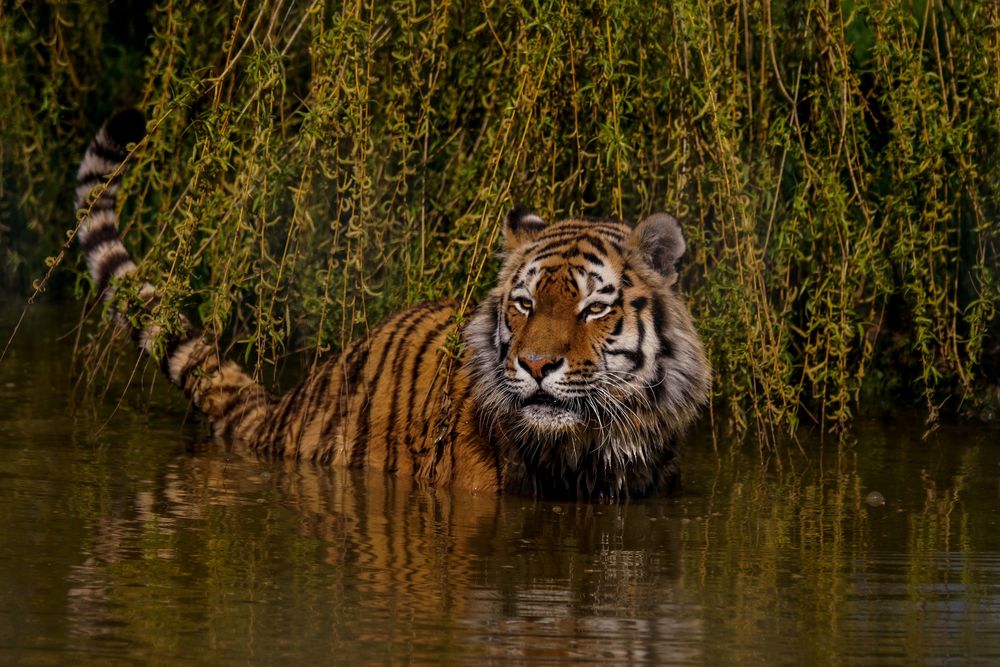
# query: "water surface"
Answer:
x=125 y=536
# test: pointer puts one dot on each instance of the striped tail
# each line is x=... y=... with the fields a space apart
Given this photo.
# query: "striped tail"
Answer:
x=235 y=405
x=98 y=177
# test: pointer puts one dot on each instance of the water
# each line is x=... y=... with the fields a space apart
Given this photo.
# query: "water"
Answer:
x=125 y=537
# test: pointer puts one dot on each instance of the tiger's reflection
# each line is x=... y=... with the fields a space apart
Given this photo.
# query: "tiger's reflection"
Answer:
x=504 y=575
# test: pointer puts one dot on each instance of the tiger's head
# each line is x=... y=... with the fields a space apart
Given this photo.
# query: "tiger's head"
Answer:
x=585 y=339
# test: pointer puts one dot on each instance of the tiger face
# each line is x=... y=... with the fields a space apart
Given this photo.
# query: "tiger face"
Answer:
x=585 y=337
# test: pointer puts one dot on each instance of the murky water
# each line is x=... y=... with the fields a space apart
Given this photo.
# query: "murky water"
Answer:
x=124 y=536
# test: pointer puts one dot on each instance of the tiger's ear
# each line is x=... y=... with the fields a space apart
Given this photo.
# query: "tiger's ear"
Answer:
x=659 y=242
x=522 y=226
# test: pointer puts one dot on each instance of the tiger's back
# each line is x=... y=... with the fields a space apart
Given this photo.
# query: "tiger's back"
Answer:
x=577 y=375
x=395 y=400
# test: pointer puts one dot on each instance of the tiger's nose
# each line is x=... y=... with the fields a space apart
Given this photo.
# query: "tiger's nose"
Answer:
x=539 y=366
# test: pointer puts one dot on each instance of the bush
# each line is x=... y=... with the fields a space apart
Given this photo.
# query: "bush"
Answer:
x=310 y=168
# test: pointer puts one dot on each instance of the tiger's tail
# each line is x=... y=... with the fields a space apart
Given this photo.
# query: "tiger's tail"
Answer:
x=234 y=403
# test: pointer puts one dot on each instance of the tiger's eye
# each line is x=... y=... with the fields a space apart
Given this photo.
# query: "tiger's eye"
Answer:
x=597 y=309
x=523 y=303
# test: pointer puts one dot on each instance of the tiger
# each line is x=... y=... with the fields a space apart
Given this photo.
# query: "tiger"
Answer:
x=576 y=376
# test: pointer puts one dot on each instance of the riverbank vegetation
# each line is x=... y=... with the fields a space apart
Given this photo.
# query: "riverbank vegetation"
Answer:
x=311 y=166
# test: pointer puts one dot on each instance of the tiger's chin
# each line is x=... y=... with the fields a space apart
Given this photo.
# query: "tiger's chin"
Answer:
x=550 y=419
x=544 y=414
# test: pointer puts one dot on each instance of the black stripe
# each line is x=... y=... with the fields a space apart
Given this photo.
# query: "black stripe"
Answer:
x=602 y=227
x=363 y=421
x=597 y=243
x=573 y=238
x=111 y=261
x=426 y=418
x=562 y=238
x=660 y=326
x=312 y=405
x=234 y=395
x=592 y=258
x=107 y=151
x=241 y=396
x=321 y=397
x=350 y=368
x=250 y=403
x=448 y=441
x=94 y=178
x=360 y=442
x=309 y=401
x=353 y=371
x=100 y=235
x=565 y=228
x=557 y=240
x=607 y=289
x=105 y=202
x=396 y=370
x=551 y=253
x=659 y=316
x=637 y=357
x=274 y=436
x=414 y=378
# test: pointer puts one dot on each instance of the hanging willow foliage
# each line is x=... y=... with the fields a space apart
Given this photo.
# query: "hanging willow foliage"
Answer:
x=312 y=166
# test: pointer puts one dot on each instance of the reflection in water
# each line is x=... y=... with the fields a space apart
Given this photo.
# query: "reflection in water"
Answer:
x=133 y=545
x=504 y=577
x=765 y=563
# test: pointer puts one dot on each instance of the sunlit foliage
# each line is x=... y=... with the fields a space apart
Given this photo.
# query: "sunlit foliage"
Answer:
x=311 y=166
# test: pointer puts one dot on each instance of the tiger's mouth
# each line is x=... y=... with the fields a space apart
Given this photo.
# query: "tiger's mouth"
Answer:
x=544 y=412
x=546 y=399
